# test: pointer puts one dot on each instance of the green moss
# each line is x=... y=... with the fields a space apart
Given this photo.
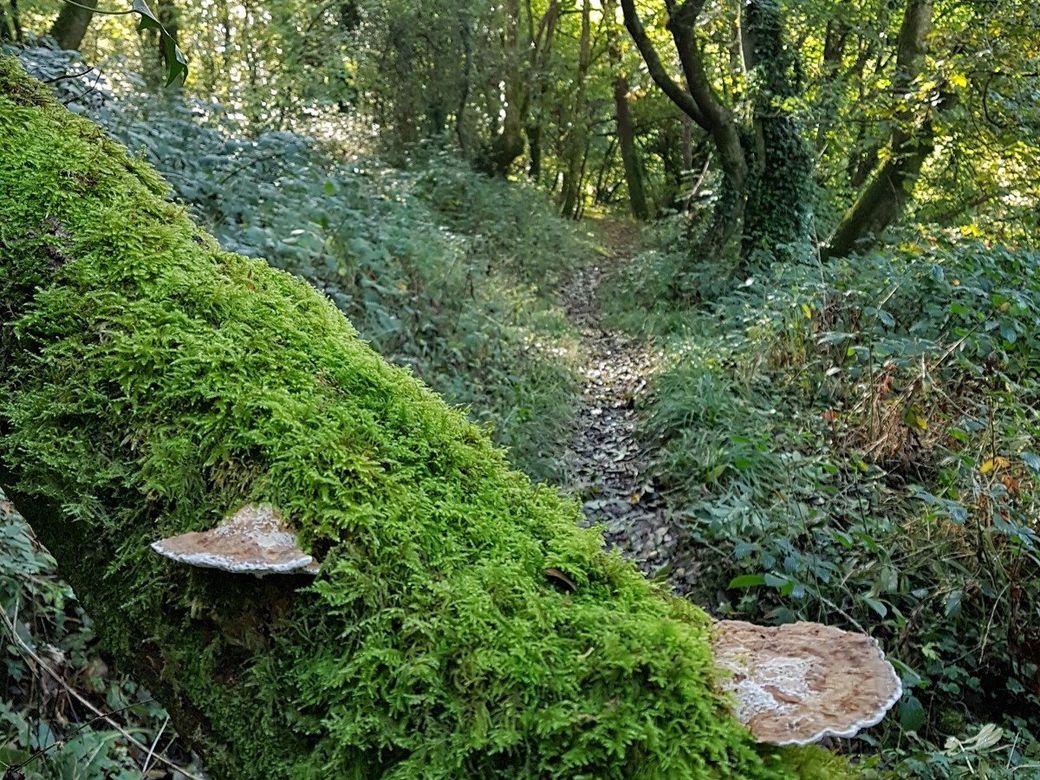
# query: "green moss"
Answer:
x=151 y=383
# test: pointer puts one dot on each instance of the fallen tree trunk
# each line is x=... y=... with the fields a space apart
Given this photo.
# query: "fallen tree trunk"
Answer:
x=152 y=384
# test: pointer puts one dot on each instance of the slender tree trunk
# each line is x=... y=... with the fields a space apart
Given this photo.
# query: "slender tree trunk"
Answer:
x=508 y=142
x=16 y=21
x=577 y=133
x=625 y=132
x=833 y=51
x=534 y=151
x=599 y=195
x=629 y=155
x=467 y=69
x=72 y=22
x=886 y=195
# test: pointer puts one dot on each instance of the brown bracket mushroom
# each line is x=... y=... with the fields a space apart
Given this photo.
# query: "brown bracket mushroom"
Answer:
x=798 y=683
x=255 y=540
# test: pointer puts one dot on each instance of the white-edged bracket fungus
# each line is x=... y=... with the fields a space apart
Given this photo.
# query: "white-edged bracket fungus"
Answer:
x=255 y=540
x=798 y=683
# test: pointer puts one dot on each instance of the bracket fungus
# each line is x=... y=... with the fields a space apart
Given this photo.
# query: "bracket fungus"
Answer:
x=798 y=683
x=255 y=540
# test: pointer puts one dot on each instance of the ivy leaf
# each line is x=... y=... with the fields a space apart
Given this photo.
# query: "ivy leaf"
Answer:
x=174 y=59
x=911 y=714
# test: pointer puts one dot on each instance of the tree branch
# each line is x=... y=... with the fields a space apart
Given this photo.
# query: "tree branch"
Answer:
x=683 y=99
x=681 y=23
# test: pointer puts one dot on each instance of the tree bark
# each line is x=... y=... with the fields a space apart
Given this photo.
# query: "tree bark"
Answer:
x=508 y=142
x=885 y=197
x=780 y=193
x=10 y=28
x=577 y=133
x=534 y=152
x=153 y=383
x=72 y=23
x=634 y=180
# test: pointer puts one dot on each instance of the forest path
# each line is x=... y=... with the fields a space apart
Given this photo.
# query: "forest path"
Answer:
x=608 y=469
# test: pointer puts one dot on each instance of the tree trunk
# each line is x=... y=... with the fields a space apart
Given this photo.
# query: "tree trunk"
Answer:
x=885 y=197
x=623 y=116
x=72 y=22
x=10 y=29
x=780 y=190
x=833 y=51
x=766 y=168
x=153 y=383
x=577 y=133
x=534 y=152
x=629 y=156
x=508 y=142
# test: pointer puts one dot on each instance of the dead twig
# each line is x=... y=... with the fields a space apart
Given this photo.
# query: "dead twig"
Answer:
x=99 y=715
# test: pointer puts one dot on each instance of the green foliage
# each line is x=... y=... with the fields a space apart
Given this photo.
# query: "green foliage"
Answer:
x=152 y=381
x=46 y=617
x=856 y=445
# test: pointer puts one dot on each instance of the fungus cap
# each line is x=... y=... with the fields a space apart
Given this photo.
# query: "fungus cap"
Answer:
x=798 y=683
x=255 y=540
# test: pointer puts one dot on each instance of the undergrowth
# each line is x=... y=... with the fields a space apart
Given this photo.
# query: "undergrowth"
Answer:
x=856 y=444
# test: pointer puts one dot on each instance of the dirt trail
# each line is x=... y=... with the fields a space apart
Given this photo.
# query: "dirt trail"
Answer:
x=608 y=470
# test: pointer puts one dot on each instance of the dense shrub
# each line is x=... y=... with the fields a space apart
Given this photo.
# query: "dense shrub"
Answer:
x=856 y=444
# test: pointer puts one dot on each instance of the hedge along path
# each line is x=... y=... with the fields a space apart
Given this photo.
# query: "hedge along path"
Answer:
x=151 y=384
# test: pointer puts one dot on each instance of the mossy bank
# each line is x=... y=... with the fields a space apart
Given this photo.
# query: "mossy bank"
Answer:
x=150 y=383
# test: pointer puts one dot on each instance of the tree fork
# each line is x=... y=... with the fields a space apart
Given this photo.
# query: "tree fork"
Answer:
x=152 y=384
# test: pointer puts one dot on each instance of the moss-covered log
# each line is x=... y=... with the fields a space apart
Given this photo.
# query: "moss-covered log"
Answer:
x=150 y=383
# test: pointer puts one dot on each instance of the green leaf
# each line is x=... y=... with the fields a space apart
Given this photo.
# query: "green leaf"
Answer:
x=773 y=581
x=911 y=714
x=876 y=605
x=1032 y=460
x=149 y=21
x=174 y=59
x=747 y=581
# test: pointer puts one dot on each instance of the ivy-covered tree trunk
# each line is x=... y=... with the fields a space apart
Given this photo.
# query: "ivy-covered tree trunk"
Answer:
x=779 y=193
x=765 y=164
x=151 y=384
